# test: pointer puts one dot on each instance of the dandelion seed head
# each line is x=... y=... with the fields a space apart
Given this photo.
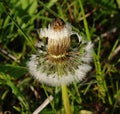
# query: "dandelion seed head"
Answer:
x=56 y=30
x=60 y=64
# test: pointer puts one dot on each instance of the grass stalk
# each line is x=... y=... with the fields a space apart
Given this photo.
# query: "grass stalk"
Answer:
x=100 y=77
x=52 y=104
x=85 y=21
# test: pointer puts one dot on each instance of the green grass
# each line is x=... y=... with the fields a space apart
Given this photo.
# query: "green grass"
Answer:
x=97 y=21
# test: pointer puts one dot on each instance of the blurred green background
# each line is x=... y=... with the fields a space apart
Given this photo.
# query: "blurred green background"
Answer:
x=99 y=93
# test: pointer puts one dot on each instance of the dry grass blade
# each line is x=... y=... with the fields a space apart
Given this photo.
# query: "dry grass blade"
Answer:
x=43 y=105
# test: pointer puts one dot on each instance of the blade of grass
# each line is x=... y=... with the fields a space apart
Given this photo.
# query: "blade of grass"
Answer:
x=100 y=76
x=7 y=81
x=52 y=105
x=7 y=11
x=21 y=30
x=85 y=21
x=113 y=49
x=47 y=7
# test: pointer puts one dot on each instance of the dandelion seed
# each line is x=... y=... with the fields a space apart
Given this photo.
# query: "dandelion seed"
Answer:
x=73 y=62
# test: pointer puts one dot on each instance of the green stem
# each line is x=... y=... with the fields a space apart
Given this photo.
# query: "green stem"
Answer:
x=66 y=99
x=65 y=96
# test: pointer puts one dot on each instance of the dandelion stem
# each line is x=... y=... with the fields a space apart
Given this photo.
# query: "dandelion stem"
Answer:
x=65 y=97
x=65 y=100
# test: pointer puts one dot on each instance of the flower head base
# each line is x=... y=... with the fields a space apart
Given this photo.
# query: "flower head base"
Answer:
x=60 y=64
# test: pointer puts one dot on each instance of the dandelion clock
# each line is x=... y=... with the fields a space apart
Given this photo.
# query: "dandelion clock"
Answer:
x=59 y=64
